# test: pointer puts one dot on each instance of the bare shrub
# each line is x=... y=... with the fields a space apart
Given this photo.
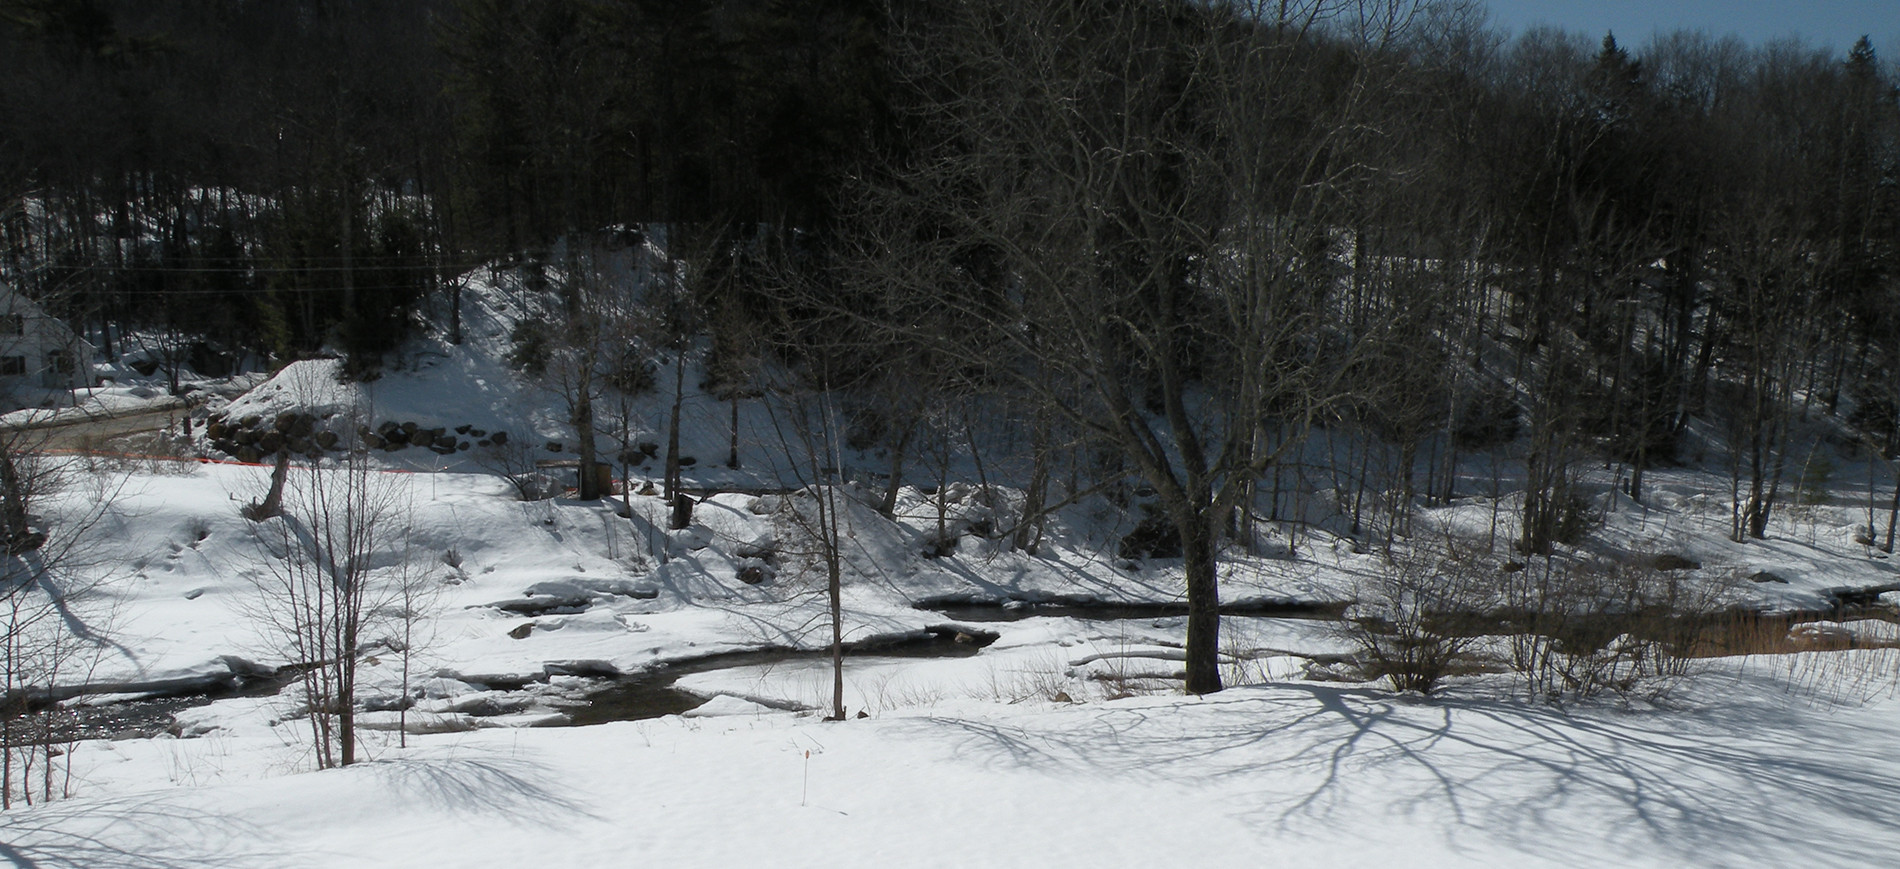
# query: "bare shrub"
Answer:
x=514 y=461
x=54 y=630
x=1412 y=621
x=1583 y=628
x=328 y=562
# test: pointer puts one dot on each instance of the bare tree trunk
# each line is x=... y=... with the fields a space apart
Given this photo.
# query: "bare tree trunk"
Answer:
x=732 y=450
x=888 y=506
x=1203 y=600
x=682 y=516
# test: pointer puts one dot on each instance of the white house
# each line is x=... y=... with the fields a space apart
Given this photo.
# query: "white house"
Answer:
x=37 y=350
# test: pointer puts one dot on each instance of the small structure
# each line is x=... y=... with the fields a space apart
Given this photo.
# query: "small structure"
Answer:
x=37 y=350
x=603 y=472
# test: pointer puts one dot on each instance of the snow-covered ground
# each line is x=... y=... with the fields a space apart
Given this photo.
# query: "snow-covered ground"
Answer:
x=1737 y=772
x=1062 y=741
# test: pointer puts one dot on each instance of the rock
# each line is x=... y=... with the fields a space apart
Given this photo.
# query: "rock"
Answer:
x=522 y=631
x=1671 y=561
x=249 y=420
x=442 y=688
x=284 y=422
x=1765 y=576
x=545 y=605
x=482 y=443
x=388 y=703
x=245 y=437
x=499 y=438
x=755 y=574
x=422 y=438
x=249 y=455
x=863 y=714
x=373 y=440
x=554 y=446
x=476 y=433
x=327 y=439
x=651 y=448
x=462 y=446
x=408 y=428
x=462 y=429
x=688 y=461
x=443 y=448
x=763 y=546
x=300 y=446
x=214 y=430
x=1062 y=697
x=270 y=442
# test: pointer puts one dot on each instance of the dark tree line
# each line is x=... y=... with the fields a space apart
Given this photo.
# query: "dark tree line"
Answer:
x=286 y=176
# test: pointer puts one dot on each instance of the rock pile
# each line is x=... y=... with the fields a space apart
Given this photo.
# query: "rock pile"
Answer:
x=254 y=437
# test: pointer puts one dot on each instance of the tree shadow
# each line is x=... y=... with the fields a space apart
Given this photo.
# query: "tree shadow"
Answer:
x=157 y=831
x=134 y=832
x=511 y=788
x=1757 y=780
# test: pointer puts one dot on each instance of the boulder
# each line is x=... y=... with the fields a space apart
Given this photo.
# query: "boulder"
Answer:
x=1672 y=561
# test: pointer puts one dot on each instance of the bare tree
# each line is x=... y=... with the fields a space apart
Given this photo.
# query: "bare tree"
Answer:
x=327 y=566
x=1158 y=186
x=808 y=431
x=54 y=628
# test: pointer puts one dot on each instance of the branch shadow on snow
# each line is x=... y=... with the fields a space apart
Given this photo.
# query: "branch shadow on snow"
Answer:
x=153 y=831
x=1752 y=781
x=136 y=832
x=511 y=788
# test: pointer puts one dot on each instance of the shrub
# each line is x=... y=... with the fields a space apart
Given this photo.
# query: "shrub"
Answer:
x=1412 y=620
x=1579 y=629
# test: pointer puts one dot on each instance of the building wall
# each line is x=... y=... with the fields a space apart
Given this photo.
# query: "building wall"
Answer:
x=37 y=350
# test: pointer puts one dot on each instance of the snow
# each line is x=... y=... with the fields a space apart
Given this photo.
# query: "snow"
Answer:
x=1062 y=741
x=1285 y=773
